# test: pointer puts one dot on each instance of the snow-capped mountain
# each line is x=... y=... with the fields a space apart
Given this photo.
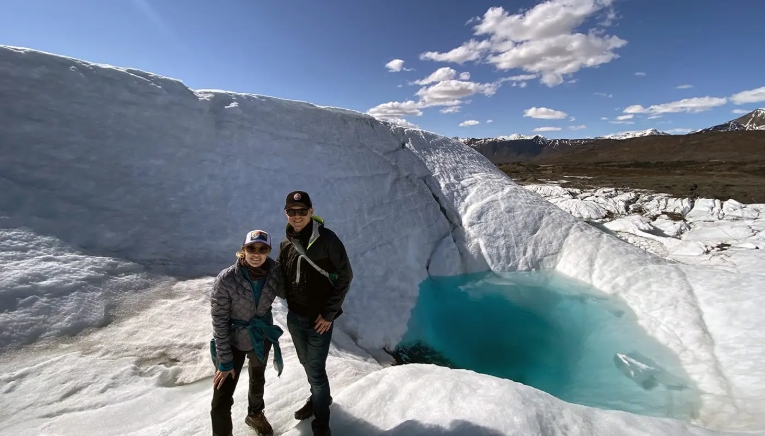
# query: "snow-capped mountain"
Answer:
x=516 y=147
x=634 y=134
x=754 y=120
x=515 y=136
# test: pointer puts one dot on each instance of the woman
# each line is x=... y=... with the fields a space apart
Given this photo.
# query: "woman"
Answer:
x=243 y=326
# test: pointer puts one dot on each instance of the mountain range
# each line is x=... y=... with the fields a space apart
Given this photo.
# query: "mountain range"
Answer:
x=521 y=148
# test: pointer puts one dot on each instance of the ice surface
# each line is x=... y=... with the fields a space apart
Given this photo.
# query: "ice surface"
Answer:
x=130 y=168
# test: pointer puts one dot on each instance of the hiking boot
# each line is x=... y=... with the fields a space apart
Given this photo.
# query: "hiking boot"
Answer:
x=306 y=411
x=320 y=428
x=260 y=424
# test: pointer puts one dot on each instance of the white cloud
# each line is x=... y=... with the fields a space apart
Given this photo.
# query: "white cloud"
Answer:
x=621 y=122
x=573 y=80
x=489 y=121
x=653 y=117
x=395 y=65
x=603 y=94
x=679 y=131
x=572 y=119
x=604 y=118
x=540 y=40
x=740 y=111
x=439 y=75
x=624 y=117
x=640 y=73
x=469 y=51
x=690 y=105
x=399 y=86
x=609 y=18
x=685 y=87
x=522 y=84
x=547 y=129
x=394 y=110
x=449 y=92
x=519 y=78
x=582 y=127
x=544 y=113
x=450 y=110
x=465 y=76
x=402 y=122
x=469 y=123
x=751 y=96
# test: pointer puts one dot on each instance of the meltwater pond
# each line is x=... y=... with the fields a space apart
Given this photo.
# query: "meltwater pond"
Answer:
x=549 y=332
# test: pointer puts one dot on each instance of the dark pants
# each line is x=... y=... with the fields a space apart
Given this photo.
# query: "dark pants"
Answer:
x=312 y=349
x=223 y=398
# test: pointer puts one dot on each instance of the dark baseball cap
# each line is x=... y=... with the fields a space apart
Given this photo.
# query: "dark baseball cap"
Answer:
x=298 y=198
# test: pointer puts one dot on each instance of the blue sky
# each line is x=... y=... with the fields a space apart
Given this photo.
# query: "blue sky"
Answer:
x=586 y=67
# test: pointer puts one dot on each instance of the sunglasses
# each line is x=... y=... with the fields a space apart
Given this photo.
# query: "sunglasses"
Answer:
x=257 y=249
x=293 y=212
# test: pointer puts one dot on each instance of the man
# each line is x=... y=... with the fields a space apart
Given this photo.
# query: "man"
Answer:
x=317 y=276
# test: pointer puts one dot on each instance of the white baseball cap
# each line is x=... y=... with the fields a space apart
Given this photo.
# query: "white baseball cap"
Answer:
x=257 y=237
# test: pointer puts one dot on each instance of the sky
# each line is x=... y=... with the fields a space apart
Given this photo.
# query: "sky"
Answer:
x=559 y=68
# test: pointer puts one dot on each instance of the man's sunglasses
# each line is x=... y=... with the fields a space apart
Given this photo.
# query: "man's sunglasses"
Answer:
x=293 y=212
x=257 y=249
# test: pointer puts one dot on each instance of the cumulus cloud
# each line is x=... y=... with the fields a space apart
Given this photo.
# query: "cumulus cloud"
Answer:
x=640 y=73
x=469 y=123
x=451 y=110
x=469 y=51
x=449 y=92
x=541 y=40
x=465 y=76
x=547 y=129
x=439 y=75
x=395 y=65
x=489 y=121
x=751 y=96
x=689 y=105
x=685 y=87
x=402 y=122
x=624 y=117
x=394 y=110
x=740 y=111
x=544 y=113
x=582 y=127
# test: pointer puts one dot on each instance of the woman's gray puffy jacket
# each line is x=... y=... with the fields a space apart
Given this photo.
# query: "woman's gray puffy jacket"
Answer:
x=232 y=299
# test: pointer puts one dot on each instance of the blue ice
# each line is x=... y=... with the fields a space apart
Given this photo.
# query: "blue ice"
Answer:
x=550 y=332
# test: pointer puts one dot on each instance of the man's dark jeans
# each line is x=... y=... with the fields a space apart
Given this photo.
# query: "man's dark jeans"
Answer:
x=223 y=398
x=312 y=349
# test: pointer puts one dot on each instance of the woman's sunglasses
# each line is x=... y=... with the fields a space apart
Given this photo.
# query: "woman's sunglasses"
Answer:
x=293 y=212
x=257 y=249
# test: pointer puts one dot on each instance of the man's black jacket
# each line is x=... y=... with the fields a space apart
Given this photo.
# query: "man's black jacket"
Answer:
x=313 y=294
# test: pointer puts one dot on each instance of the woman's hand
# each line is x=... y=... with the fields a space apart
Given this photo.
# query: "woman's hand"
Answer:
x=220 y=378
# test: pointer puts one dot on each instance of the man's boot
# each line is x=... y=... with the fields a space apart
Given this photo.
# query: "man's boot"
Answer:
x=306 y=411
x=260 y=424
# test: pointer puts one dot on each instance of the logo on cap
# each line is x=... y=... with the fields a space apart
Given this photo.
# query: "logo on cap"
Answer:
x=297 y=197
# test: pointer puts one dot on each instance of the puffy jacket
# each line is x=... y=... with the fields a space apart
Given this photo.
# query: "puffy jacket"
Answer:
x=309 y=293
x=233 y=299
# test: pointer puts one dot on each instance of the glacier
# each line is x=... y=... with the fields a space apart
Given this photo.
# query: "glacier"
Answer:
x=133 y=190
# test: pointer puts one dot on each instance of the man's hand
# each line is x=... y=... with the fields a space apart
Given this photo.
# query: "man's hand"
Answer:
x=321 y=325
x=220 y=378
